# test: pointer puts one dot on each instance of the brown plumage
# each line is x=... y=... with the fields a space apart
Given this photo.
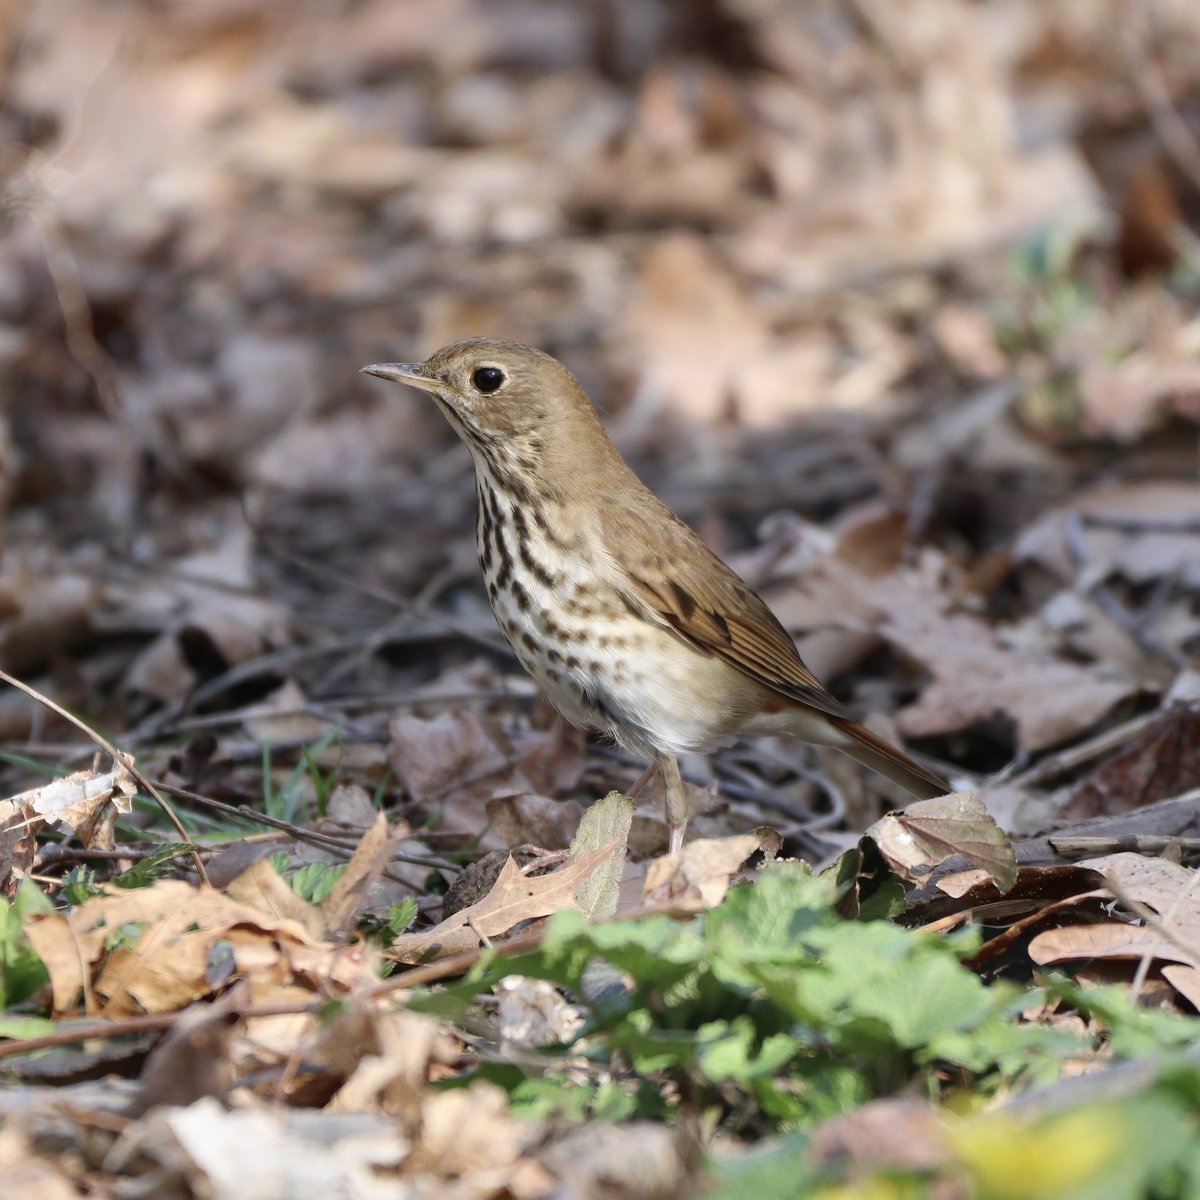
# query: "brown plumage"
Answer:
x=622 y=615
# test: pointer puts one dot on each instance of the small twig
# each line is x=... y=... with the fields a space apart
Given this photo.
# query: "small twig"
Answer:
x=322 y=841
x=458 y=964
x=151 y=1023
x=1150 y=844
x=121 y=759
x=1177 y=139
x=56 y=852
x=1054 y=765
x=1140 y=524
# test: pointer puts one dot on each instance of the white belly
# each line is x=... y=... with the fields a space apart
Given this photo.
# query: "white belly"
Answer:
x=599 y=665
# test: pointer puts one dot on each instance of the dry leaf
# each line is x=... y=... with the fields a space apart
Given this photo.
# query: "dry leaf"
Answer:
x=928 y=832
x=352 y=890
x=514 y=898
x=395 y=1077
x=87 y=803
x=528 y=819
x=697 y=877
x=533 y=1012
x=1170 y=890
x=975 y=678
x=151 y=950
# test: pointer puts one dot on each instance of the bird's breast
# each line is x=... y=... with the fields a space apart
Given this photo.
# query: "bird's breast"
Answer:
x=558 y=601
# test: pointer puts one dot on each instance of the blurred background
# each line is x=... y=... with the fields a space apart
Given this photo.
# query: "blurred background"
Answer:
x=896 y=303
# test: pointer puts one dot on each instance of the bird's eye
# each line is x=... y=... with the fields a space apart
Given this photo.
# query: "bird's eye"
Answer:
x=487 y=379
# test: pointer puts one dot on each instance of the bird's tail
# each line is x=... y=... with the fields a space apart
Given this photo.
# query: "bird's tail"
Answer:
x=874 y=752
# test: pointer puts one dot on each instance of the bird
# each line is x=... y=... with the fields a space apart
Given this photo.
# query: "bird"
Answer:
x=628 y=623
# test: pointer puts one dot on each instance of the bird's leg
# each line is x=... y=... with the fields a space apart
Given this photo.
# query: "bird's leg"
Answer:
x=643 y=779
x=675 y=802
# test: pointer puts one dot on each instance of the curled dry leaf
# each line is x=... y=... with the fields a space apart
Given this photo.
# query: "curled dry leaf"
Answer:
x=87 y=803
x=1169 y=890
x=150 y=950
x=925 y=834
x=533 y=1012
x=697 y=877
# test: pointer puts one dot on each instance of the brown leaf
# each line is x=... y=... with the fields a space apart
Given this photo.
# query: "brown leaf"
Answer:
x=149 y=950
x=193 y=1060
x=530 y=819
x=262 y=888
x=1163 y=762
x=352 y=890
x=1170 y=890
x=513 y=899
x=974 y=677
x=87 y=803
x=697 y=877
x=395 y=1076
x=927 y=833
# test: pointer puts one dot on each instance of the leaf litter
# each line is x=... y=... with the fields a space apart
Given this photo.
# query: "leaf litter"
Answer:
x=899 y=313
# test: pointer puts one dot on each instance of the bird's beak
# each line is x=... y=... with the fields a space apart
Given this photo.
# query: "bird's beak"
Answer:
x=411 y=373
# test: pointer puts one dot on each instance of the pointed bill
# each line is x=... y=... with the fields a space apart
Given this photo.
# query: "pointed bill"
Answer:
x=410 y=373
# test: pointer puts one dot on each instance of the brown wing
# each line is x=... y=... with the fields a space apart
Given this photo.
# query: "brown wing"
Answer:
x=670 y=572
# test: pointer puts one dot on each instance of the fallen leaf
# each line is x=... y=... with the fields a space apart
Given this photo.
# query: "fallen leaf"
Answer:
x=514 y=898
x=87 y=803
x=529 y=819
x=606 y=823
x=149 y=950
x=193 y=1060
x=1163 y=762
x=925 y=834
x=1170 y=890
x=352 y=890
x=696 y=878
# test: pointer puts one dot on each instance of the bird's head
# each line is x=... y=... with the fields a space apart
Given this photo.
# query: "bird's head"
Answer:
x=497 y=393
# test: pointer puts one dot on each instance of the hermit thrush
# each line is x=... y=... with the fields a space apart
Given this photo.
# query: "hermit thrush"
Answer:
x=622 y=615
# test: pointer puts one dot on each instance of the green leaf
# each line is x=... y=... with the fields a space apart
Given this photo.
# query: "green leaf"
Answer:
x=734 y=1050
x=153 y=866
x=780 y=1169
x=607 y=821
x=19 y=1028
x=401 y=916
x=314 y=881
x=22 y=973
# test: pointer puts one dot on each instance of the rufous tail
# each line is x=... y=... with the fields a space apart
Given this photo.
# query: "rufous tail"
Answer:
x=872 y=751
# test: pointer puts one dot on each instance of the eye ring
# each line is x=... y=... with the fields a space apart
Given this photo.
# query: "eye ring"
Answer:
x=488 y=379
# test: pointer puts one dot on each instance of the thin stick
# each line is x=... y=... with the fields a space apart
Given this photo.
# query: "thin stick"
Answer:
x=151 y=1023
x=123 y=760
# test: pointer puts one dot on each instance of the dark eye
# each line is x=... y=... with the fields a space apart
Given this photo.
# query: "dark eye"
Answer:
x=487 y=379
